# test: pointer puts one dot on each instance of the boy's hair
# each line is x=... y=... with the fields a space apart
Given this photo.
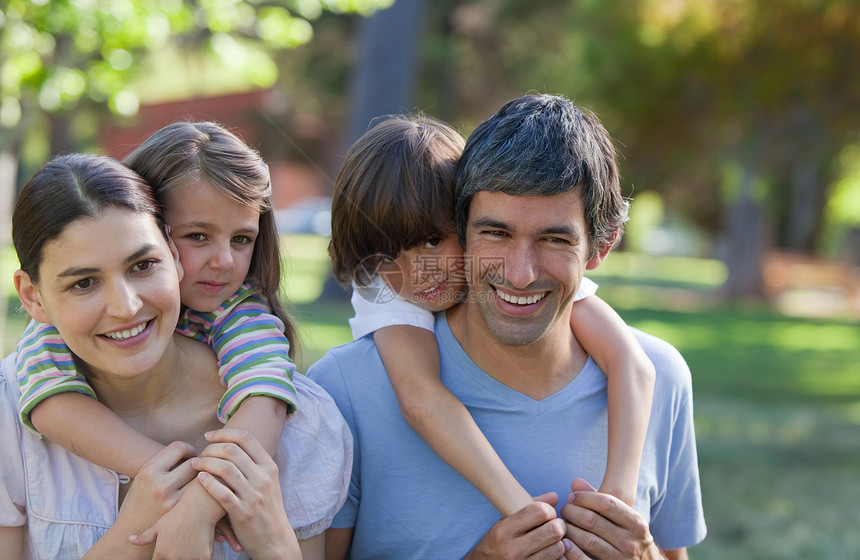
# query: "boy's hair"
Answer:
x=395 y=190
x=194 y=152
x=544 y=145
x=69 y=188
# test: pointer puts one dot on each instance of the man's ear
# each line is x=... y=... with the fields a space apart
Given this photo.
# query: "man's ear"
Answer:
x=30 y=298
x=601 y=253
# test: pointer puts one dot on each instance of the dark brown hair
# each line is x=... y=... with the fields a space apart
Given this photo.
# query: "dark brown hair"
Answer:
x=394 y=191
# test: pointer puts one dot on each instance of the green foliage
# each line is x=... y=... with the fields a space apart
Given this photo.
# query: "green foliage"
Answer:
x=57 y=54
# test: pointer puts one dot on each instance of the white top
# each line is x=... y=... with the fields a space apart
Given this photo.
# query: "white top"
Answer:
x=68 y=503
x=377 y=306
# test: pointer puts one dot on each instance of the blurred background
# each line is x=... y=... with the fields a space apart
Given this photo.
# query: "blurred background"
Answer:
x=738 y=124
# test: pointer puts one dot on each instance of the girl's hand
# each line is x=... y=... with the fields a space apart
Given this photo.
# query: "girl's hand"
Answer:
x=238 y=472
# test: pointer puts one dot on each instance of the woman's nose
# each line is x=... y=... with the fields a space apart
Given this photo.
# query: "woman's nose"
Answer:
x=124 y=300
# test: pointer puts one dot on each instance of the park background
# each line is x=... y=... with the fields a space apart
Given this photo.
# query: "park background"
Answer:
x=738 y=124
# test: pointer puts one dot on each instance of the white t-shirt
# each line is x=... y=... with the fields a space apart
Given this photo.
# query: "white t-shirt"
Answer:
x=377 y=306
x=67 y=503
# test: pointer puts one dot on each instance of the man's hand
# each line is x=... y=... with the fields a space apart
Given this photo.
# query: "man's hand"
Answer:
x=533 y=532
x=602 y=526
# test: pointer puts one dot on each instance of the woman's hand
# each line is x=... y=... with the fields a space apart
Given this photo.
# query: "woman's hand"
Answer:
x=156 y=489
x=238 y=472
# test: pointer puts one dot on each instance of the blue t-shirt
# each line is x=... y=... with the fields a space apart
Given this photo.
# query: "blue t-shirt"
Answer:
x=405 y=502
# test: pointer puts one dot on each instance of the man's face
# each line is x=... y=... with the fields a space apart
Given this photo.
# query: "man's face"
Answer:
x=528 y=255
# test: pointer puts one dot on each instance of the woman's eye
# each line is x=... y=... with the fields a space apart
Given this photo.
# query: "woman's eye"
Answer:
x=432 y=242
x=143 y=266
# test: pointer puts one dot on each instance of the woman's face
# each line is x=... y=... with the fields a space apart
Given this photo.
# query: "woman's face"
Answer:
x=111 y=288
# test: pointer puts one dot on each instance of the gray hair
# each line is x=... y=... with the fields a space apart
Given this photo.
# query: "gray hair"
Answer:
x=543 y=145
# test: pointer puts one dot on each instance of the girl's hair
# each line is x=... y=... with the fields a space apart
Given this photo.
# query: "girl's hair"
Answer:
x=395 y=190
x=66 y=189
x=194 y=152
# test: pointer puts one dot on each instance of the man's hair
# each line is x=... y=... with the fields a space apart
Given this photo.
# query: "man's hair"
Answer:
x=395 y=190
x=543 y=145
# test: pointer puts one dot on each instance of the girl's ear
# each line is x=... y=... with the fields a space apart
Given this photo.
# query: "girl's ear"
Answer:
x=30 y=298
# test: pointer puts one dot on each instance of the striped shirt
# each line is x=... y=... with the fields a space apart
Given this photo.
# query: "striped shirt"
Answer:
x=249 y=341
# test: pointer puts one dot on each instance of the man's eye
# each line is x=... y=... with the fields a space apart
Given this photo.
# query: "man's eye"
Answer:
x=84 y=284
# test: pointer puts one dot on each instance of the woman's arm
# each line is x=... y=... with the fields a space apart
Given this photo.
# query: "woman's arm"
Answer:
x=630 y=379
x=411 y=358
x=12 y=542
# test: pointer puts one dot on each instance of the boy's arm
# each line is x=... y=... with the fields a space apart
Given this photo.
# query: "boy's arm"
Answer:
x=12 y=542
x=411 y=358
x=630 y=379
x=93 y=432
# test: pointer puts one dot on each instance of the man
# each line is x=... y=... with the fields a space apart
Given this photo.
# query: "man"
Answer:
x=538 y=203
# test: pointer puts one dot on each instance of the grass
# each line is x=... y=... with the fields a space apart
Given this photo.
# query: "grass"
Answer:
x=777 y=398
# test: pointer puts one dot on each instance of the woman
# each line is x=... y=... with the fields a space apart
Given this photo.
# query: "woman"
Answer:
x=116 y=304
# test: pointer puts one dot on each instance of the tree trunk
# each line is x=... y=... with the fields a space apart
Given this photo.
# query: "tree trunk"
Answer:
x=745 y=239
x=383 y=80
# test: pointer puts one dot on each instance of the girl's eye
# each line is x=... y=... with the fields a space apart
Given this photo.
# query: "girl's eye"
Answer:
x=241 y=239
x=196 y=236
x=432 y=242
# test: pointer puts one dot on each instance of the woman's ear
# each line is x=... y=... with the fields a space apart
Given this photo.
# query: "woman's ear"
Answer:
x=180 y=272
x=30 y=298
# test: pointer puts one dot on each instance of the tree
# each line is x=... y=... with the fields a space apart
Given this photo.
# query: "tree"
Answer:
x=65 y=64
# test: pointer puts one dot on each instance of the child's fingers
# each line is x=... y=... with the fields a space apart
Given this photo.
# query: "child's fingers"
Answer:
x=245 y=440
x=144 y=538
x=224 y=532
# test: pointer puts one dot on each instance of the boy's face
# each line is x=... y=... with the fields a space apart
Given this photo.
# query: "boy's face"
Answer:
x=431 y=275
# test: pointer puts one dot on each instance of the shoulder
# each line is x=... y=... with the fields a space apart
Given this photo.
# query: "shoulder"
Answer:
x=673 y=379
x=350 y=372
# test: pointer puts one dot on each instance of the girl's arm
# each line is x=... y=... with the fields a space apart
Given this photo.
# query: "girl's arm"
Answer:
x=411 y=358
x=58 y=402
x=630 y=379
x=93 y=432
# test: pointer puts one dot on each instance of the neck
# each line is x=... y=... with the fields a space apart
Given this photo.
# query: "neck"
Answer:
x=537 y=370
x=176 y=400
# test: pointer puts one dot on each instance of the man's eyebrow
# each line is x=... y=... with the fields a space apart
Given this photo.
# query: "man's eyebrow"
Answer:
x=490 y=222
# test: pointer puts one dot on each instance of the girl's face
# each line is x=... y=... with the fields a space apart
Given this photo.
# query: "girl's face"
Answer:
x=111 y=288
x=431 y=275
x=215 y=238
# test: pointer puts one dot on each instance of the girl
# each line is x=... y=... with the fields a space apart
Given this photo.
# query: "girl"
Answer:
x=56 y=504
x=215 y=192
x=394 y=239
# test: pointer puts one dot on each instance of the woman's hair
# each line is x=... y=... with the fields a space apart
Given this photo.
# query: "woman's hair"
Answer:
x=66 y=189
x=185 y=153
x=395 y=190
